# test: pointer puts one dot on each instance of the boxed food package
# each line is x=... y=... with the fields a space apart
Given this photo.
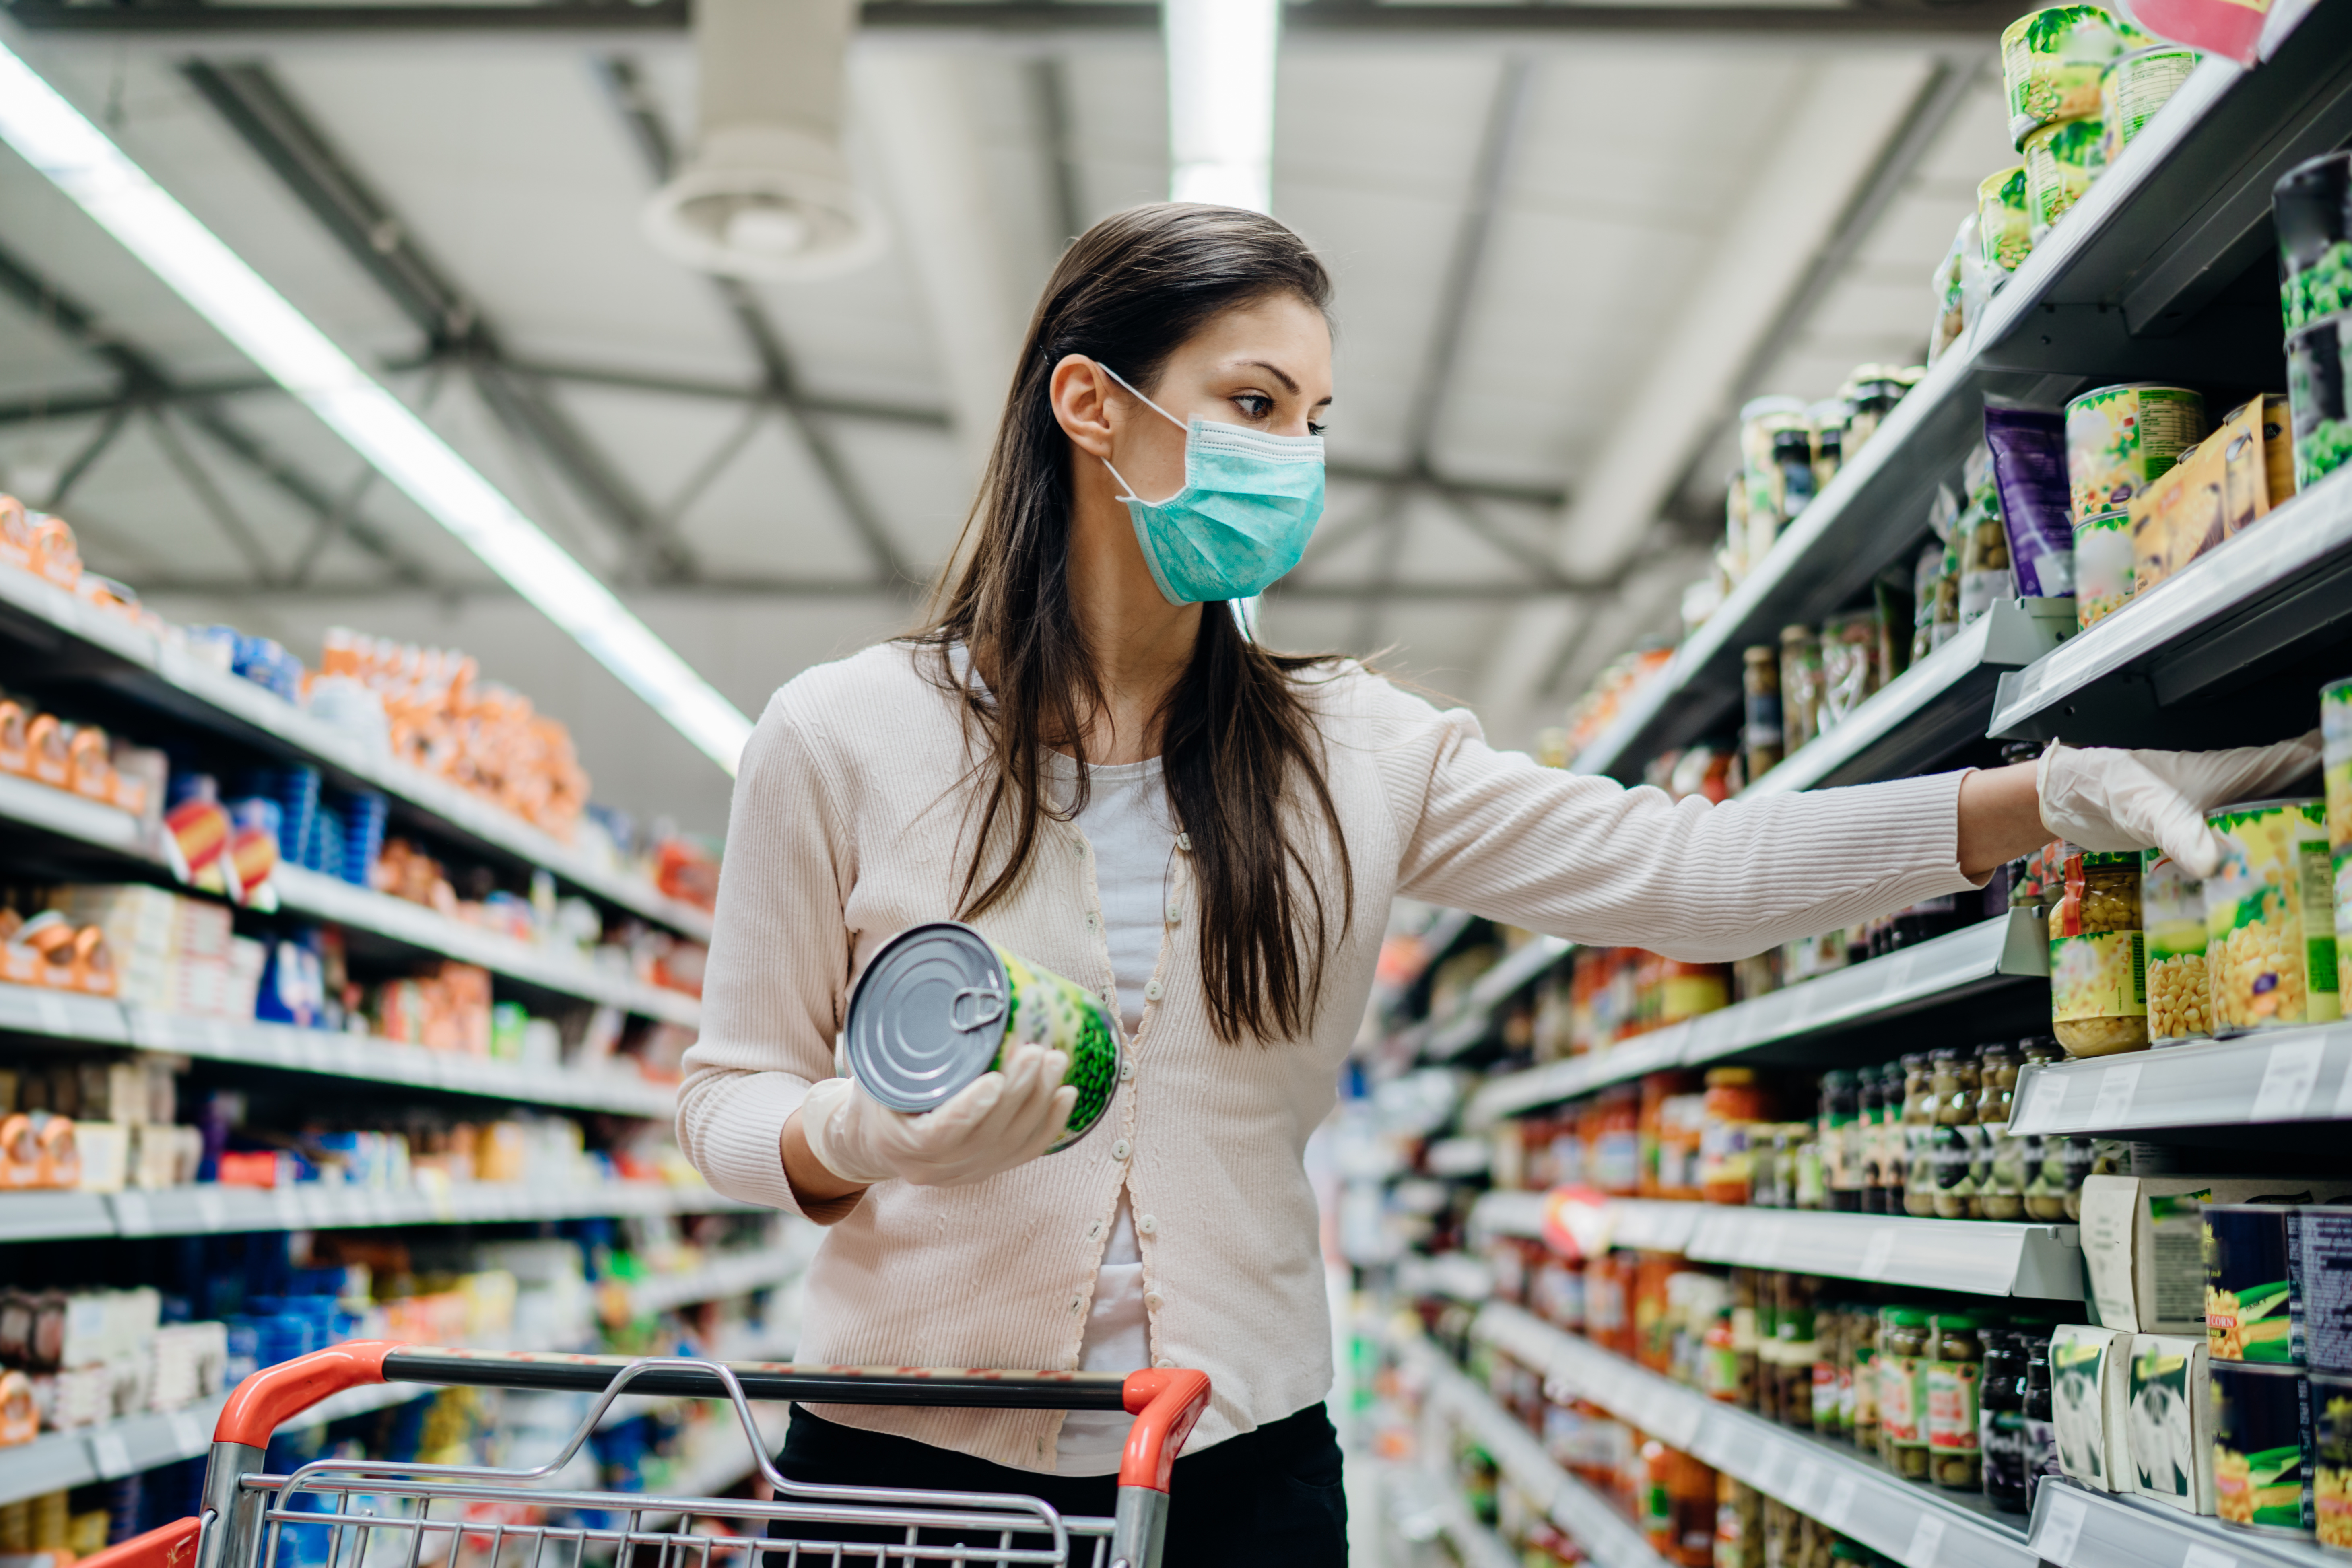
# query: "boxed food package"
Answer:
x=2144 y=1244
x=2090 y=1403
x=2219 y=489
x=2171 y=1424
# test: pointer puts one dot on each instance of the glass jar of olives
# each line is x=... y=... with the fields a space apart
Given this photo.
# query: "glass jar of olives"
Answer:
x=2000 y=1171
x=1955 y=1370
x=1919 y=1127
x=1952 y=1146
x=1902 y=1363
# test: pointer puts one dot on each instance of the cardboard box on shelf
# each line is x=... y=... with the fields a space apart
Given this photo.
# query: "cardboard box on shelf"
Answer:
x=2090 y=1403
x=2144 y=1243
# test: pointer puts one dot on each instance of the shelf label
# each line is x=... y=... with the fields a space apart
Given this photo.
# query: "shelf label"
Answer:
x=188 y=1434
x=1678 y=1422
x=2117 y=1084
x=55 y=1019
x=109 y=1455
x=1805 y=1491
x=211 y=1210
x=1839 y=1509
x=1927 y=1539
x=1880 y=1252
x=132 y=1217
x=2288 y=1080
x=2199 y=1555
x=2062 y=1528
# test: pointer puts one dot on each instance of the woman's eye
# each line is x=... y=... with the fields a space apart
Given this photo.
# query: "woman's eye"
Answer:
x=1253 y=404
x=1314 y=429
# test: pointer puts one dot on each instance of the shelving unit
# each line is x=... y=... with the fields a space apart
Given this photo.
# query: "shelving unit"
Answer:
x=1982 y=1257
x=211 y=1209
x=1474 y=1019
x=1568 y=1502
x=105 y=650
x=2075 y=1527
x=64 y=1459
x=1918 y=1526
x=2294 y=1075
x=2133 y=286
x=1950 y=969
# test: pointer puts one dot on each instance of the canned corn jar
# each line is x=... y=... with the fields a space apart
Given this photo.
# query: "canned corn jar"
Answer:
x=2103 y=566
x=2256 y=957
x=940 y=1005
x=2331 y=1449
x=2052 y=59
x=2098 y=961
x=2132 y=86
x=2120 y=439
x=2262 y=1447
x=2004 y=225
x=2172 y=913
x=2062 y=159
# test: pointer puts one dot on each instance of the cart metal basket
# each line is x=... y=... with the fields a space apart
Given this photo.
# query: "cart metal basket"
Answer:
x=382 y=1515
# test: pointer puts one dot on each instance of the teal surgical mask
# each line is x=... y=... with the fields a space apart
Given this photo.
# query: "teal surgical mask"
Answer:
x=1249 y=502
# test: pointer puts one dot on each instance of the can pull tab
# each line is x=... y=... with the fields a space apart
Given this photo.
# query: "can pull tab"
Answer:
x=989 y=1008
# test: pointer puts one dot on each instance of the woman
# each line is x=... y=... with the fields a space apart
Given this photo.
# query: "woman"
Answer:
x=1084 y=755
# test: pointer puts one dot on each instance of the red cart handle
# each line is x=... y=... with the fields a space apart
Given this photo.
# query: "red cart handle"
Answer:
x=1165 y=1405
x=172 y=1545
x=276 y=1393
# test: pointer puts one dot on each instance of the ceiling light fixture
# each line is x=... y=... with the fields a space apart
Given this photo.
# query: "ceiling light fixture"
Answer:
x=58 y=140
x=1221 y=100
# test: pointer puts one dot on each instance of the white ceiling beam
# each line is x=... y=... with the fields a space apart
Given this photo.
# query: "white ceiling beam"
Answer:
x=917 y=114
x=1805 y=177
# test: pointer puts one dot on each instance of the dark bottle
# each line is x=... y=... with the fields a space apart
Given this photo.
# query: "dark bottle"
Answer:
x=1870 y=1107
x=2001 y=1432
x=2041 y=1425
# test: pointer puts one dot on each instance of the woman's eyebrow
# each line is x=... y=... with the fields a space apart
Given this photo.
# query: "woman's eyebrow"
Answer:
x=1274 y=370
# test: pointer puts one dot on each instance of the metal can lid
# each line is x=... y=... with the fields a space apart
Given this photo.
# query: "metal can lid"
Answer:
x=927 y=1015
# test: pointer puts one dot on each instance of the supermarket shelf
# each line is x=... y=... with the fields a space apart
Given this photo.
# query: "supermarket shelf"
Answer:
x=1476 y=1545
x=2276 y=594
x=1437 y=940
x=1983 y=1257
x=2075 y=1527
x=363 y=908
x=729 y=1274
x=96 y=1020
x=1931 y=710
x=1917 y=1526
x=1950 y=967
x=160 y=675
x=207 y=1209
x=1474 y=1018
x=1568 y=1502
x=70 y=816
x=2297 y=1075
x=724 y=1462
x=2116 y=293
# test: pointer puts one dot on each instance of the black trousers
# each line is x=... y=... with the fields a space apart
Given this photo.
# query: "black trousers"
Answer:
x=1270 y=1497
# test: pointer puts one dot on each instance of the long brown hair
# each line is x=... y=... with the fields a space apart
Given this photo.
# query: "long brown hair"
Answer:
x=1236 y=730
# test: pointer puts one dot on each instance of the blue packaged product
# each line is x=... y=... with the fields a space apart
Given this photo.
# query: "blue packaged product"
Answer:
x=2029 y=467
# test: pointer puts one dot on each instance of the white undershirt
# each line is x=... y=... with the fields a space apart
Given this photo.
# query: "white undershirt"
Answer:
x=1128 y=823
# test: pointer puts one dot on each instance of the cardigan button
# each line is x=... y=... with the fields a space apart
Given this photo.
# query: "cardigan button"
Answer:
x=1090 y=919
x=1152 y=1300
x=1148 y=1225
x=1120 y=1150
x=1151 y=992
x=1164 y=1362
x=1175 y=914
x=1126 y=1067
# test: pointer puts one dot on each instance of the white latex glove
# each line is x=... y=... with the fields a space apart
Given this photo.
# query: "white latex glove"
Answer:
x=2112 y=800
x=997 y=1121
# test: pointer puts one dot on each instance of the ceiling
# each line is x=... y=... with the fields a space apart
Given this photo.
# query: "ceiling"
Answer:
x=1564 y=249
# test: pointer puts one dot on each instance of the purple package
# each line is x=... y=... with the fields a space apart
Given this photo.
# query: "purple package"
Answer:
x=2029 y=471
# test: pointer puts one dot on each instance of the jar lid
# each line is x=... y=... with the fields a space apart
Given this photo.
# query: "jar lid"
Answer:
x=1945 y=1054
x=1730 y=1077
x=1949 y=1323
x=2110 y=860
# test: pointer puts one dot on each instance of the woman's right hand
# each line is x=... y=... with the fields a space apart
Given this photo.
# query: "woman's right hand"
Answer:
x=997 y=1122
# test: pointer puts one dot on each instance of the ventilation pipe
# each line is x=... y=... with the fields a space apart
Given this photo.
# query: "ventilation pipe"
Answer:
x=767 y=193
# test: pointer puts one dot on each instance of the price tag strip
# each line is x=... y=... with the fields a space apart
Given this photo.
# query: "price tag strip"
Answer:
x=2289 y=1077
x=2117 y=1084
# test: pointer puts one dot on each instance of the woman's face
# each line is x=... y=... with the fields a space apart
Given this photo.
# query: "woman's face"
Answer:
x=1265 y=366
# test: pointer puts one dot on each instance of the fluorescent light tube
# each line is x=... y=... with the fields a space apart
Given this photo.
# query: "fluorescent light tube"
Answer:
x=81 y=161
x=1221 y=100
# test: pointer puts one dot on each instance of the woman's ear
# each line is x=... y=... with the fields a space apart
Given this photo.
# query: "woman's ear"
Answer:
x=1080 y=394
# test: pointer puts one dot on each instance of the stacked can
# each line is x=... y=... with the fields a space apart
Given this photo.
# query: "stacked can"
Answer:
x=2335 y=737
x=2134 y=87
x=2312 y=208
x=2004 y=222
x=2053 y=62
x=2263 y=907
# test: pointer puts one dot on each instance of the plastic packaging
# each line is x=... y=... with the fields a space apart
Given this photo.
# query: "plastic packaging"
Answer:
x=2028 y=449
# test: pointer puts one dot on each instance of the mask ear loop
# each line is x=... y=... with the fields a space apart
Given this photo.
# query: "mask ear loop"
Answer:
x=1130 y=495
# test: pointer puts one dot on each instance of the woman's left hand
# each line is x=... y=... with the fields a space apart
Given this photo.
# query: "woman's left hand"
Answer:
x=2104 y=799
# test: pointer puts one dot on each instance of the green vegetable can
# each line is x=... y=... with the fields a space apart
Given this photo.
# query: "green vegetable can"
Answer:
x=2311 y=207
x=2051 y=61
x=2319 y=369
x=2004 y=224
x=2264 y=971
x=940 y=1005
x=2062 y=159
x=2132 y=86
x=2121 y=440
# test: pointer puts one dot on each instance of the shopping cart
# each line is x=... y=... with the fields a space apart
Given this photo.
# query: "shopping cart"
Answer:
x=375 y=1513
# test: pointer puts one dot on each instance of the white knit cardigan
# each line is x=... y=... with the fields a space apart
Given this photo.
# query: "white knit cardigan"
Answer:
x=851 y=822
